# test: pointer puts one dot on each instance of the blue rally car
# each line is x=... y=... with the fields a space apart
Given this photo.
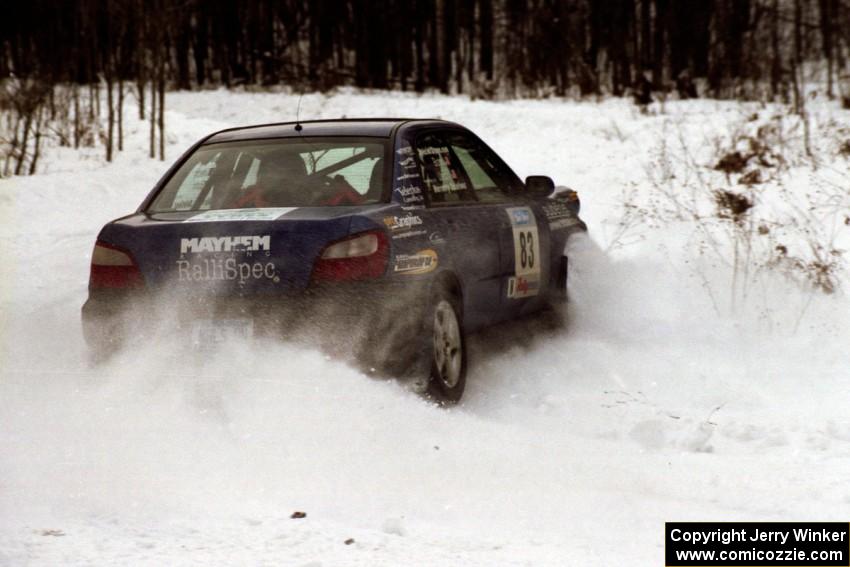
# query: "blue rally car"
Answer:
x=398 y=236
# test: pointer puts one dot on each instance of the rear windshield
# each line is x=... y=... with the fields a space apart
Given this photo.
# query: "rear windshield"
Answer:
x=292 y=172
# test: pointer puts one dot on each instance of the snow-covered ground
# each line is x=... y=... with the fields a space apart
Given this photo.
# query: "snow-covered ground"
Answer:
x=659 y=402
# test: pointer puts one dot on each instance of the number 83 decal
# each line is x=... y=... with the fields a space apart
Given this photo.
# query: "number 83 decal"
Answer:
x=526 y=280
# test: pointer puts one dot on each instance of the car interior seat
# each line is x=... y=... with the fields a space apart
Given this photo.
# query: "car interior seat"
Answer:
x=279 y=178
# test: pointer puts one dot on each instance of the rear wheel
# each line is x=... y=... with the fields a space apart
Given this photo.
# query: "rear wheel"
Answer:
x=554 y=314
x=447 y=348
x=559 y=294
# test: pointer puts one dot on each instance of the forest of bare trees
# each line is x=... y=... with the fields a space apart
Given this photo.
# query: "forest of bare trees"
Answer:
x=62 y=58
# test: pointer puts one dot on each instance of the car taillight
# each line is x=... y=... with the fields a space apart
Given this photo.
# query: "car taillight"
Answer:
x=113 y=268
x=358 y=257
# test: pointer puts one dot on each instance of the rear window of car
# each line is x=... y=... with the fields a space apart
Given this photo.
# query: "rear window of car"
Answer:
x=290 y=172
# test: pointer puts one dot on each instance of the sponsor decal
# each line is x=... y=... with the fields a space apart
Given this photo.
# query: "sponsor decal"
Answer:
x=555 y=210
x=527 y=259
x=522 y=286
x=401 y=222
x=448 y=187
x=411 y=193
x=270 y=213
x=225 y=244
x=431 y=151
x=212 y=268
x=439 y=171
x=520 y=216
x=436 y=238
x=559 y=214
x=563 y=223
x=225 y=269
x=421 y=262
x=408 y=234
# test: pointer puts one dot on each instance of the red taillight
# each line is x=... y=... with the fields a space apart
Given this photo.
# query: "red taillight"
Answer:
x=359 y=257
x=113 y=268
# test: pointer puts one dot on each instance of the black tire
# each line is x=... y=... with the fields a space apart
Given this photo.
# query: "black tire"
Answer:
x=553 y=315
x=559 y=294
x=445 y=349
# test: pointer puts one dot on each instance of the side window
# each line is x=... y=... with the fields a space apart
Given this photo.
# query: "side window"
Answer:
x=444 y=180
x=491 y=182
x=193 y=184
x=211 y=177
x=358 y=174
x=231 y=177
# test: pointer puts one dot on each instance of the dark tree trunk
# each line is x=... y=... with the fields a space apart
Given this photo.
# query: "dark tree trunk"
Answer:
x=77 y=122
x=36 y=151
x=776 y=60
x=162 y=111
x=485 y=16
x=201 y=46
x=22 y=148
x=110 y=117
x=181 y=53
x=438 y=50
x=120 y=115
x=362 y=41
x=419 y=36
x=141 y=63
x=152 y=113
x=827 y=15
x=798 y=56
x=661 y=21
x=645 y=35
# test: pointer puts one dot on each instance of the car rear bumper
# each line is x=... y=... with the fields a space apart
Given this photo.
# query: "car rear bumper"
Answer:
x=354 y=309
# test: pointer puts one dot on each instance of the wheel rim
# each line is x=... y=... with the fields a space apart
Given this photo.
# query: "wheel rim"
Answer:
x=448 y=344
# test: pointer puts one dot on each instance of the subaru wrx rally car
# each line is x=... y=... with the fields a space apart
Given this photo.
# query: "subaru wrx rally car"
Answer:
x=401 y=235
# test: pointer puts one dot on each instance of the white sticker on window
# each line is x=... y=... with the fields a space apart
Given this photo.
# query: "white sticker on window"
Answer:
x=270 y=213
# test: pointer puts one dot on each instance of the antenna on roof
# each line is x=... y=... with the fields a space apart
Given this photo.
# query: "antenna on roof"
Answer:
x=298 y=126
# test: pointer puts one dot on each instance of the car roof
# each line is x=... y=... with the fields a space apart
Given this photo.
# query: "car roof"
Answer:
x=368 y=127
